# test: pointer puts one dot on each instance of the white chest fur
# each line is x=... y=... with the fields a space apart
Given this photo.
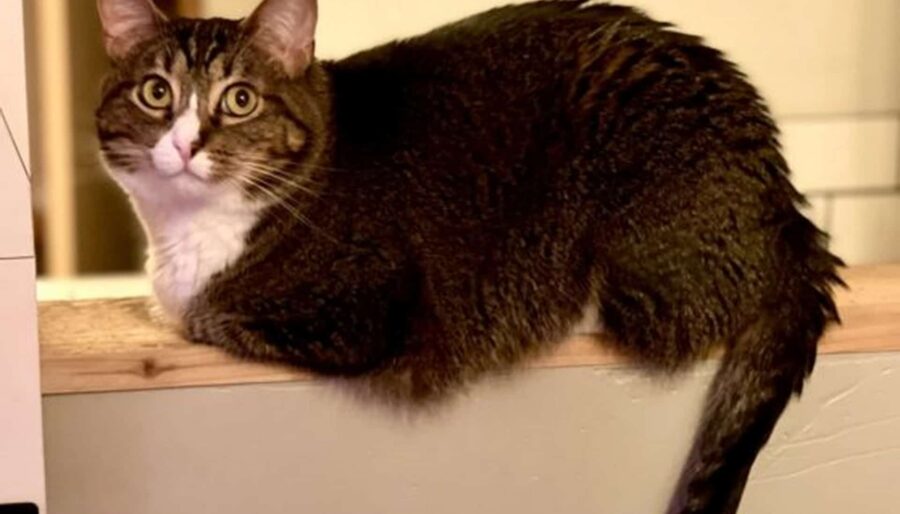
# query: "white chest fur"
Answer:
x=195 y=227
x=188 y=244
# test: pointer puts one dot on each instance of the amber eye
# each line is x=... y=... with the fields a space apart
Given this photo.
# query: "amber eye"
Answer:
x=239 y=100
x=156 y=93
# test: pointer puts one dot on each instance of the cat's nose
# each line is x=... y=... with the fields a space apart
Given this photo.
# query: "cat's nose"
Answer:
x=186 y=149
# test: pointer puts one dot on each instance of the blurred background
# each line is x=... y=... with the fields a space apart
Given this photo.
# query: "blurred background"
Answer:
x=831 y=71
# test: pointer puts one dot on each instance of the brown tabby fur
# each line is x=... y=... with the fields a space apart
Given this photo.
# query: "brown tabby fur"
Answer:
x=458 y=198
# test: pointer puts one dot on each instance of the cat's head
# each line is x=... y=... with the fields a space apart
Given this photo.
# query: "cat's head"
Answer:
x=196 y=109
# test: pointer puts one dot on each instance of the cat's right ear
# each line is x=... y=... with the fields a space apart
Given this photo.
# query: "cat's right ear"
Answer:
x=286 y=31
x=127 y=23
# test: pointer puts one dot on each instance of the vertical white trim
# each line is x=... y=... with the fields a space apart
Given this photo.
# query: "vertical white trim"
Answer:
x=21 y=434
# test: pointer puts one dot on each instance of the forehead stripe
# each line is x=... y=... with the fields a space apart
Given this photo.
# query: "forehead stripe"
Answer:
x=185 y=40
x=215 y=50
x=192 y=45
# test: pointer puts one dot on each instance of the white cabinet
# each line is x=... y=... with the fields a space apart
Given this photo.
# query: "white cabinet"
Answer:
x=21 y=446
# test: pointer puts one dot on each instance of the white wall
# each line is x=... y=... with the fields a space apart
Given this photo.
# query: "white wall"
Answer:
x=573 y=441
x=21 y=458
x=831 y=71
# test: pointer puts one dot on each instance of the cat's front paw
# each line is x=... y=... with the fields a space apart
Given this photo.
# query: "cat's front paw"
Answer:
x=159 y=316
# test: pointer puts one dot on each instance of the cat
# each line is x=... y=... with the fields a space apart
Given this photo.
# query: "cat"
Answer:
x=423 y=213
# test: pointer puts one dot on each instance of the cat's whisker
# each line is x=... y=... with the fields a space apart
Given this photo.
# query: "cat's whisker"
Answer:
x=258 y=162
x=285 y=203
x=315 y=166
x=275 y=198
x=283 y=179
x=262 y=173
x=286 y=162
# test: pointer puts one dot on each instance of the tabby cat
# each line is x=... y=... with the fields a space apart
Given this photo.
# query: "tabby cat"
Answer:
x=436 y=208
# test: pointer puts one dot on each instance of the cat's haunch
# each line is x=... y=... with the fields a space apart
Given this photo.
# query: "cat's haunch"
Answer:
x=438 y=208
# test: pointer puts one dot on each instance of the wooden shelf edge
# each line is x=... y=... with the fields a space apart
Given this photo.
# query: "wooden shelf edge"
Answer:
x=113 y=345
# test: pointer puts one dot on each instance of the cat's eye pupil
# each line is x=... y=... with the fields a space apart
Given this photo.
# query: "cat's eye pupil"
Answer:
x=159 y=91
x=242 y=98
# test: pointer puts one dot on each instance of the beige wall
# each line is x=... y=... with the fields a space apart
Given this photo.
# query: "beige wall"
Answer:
x=573 y=441
x=101 y=246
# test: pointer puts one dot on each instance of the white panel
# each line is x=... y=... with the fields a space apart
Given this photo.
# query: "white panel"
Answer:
x=838 y=450
x=574 y=441
x=12 y=72
x=21 y=452
x=843 y=153
x=15 y=202
x=808 y=56
x=866 y=228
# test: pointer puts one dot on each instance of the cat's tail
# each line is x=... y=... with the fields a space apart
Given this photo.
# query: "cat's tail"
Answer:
x=759 y=373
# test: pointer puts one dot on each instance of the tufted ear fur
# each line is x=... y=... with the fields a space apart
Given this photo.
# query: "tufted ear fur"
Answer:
x=127 y=23
x=286 y=31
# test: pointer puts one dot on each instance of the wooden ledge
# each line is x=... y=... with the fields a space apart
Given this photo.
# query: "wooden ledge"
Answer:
x=113 y=345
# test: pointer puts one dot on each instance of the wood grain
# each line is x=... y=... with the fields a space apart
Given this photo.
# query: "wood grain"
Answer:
x=114 y=345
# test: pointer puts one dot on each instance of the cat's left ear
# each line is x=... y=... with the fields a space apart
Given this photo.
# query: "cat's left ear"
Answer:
x=127 y=23
x=286 y=30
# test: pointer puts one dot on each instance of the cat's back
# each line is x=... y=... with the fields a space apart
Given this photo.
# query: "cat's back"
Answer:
x=517 y=75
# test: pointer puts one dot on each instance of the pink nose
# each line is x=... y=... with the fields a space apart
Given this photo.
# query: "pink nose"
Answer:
x=184 y=149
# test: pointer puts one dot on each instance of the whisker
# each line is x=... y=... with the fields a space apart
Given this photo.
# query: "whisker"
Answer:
x=275 y=198
x=285 y=203
x=286 y=162
x=283 y=178
x=283 y=175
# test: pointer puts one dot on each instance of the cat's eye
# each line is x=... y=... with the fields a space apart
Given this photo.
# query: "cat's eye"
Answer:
x=239 y=100
x=155 y=93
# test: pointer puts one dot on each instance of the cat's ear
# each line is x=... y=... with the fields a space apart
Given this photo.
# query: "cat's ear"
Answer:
x=127 y=23
x=286 y=30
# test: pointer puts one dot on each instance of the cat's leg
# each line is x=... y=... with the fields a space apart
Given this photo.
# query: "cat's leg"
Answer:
x=415 y=376
x=295 y=342
x=228 y=332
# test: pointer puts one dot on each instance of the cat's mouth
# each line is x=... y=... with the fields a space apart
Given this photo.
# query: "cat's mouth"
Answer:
x=185 y=173
x=198 y=167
